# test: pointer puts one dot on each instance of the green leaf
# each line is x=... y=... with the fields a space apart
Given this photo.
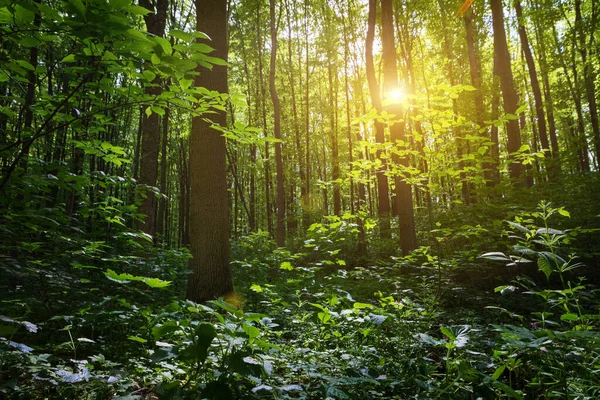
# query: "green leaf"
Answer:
x=251 y=331
x=78 y=7
x=121 y=278
x=545 y=265
x=138 y=10
x=137 y=339
x=186 y=37
x=498 y=372
x=69 y=59
x=256 y=288
x=198 y=351
x=360 y=306
x=564 y=213
x=286 y=265
x=164 y=44
x=161 y=330
x=149 y=75
x=156 y=283
x=569 y=317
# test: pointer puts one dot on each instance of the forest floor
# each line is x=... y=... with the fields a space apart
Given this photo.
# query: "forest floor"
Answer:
x=451 y=320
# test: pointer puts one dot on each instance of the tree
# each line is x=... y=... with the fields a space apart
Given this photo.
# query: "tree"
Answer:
x=150 y=125
x=509 y=93
x=209 y=221
x=382 y=180
x=280 y=233
x=406 y=218
x=535 y=86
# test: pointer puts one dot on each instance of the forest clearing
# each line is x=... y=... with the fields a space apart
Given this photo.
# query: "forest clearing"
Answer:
x=299 y=199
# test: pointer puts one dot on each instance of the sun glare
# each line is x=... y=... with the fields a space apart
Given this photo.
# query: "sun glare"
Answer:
x=396 y=95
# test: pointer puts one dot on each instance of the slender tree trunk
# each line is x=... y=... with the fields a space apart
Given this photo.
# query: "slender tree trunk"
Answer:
x=263 y=97
x=335 y=162
x=589 y=75
x=580 y=142
x=535 y=88
x=297 y=136
x=277 y=131
x=155 y=23
x=161 y=227
x=209 y=221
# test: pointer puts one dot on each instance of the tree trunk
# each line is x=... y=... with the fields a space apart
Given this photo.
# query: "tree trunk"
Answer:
x=211 y=275
x=382 y=180
x=155 y=23
x=509 y=93
x=277 y=131
x=589 y=76
x=406 y=219
x=535 y=88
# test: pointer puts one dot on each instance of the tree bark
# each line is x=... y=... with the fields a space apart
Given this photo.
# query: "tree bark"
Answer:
x=211 y=275
x=509 y=93
x=280 y=234
x=155 y=23
x=406 y=218
x=382 y=180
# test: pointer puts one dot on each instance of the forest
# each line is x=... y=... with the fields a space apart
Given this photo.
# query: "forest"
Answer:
x=299 y=199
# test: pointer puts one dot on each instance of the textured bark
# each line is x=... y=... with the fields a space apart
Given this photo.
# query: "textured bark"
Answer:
x=406 y=219
x=383 y=204
x=211 y=275
x=509 y=93
x=280 y=233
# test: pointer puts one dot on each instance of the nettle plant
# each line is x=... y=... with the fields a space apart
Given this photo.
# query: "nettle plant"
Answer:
x=556 y=353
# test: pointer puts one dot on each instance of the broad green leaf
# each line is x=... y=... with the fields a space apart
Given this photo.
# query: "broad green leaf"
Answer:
x=564 y=213
x=498 y=372
x=251 y=331
x=360 y=306
x=161 y=330
x=137 y=339
x=545 y=265
x=138 y=10
x=186 y=37
x=286 y=265
x=569 y=317
x=156 y=283
x=256 y=288
x=69 y=59
x=149 y=75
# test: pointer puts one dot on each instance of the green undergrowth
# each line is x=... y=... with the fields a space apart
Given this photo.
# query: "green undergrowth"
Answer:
x=510 y=316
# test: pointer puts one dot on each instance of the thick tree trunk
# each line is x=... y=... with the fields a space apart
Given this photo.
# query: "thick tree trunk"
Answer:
x=509 y=93
x=383 y=205
x=406 y=219
x=211 y=275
